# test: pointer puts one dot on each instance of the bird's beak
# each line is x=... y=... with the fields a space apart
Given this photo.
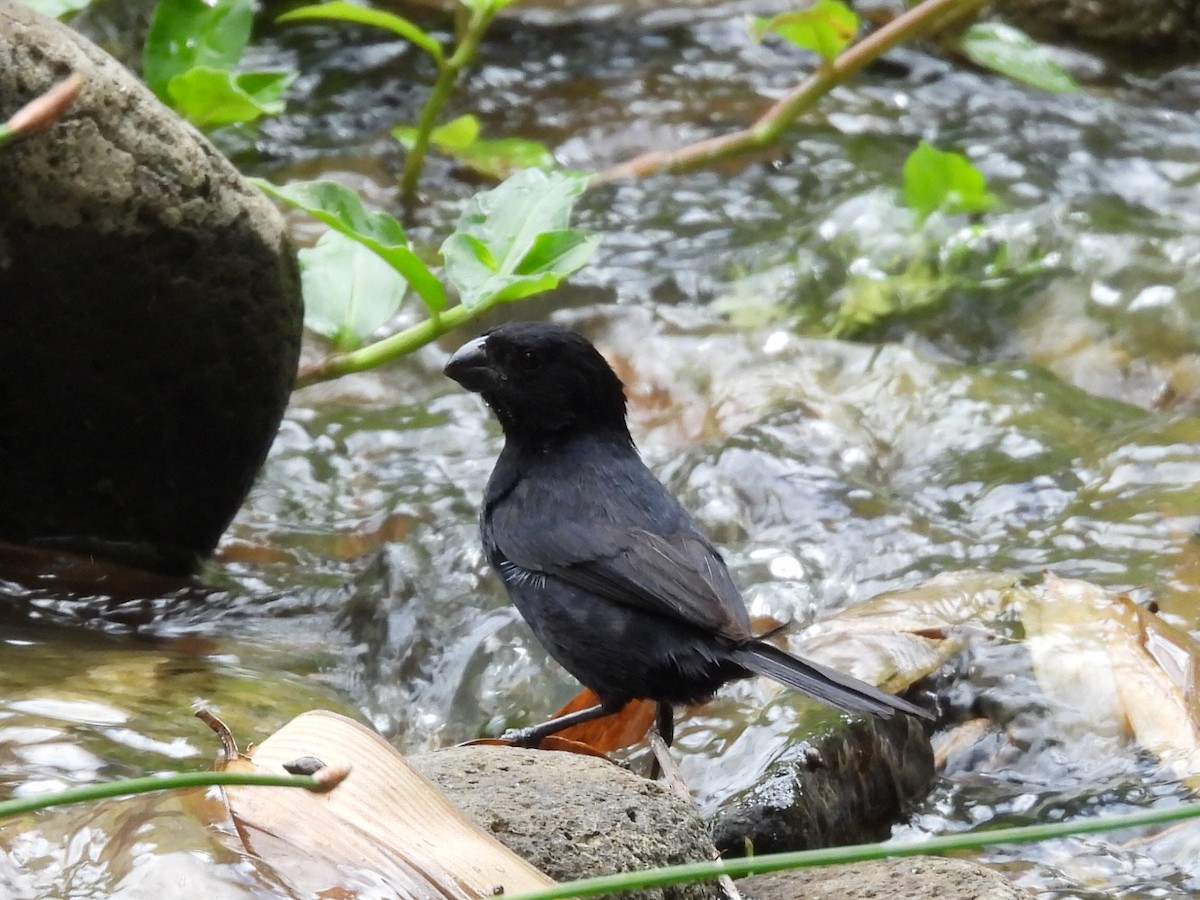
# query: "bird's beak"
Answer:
x=471 y=366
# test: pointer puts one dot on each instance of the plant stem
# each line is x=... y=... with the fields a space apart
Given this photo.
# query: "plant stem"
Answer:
x=6 y=133
x=173 y=781
x=372 y=355
x=776 y=862
x=767 y=129
x=448 y=73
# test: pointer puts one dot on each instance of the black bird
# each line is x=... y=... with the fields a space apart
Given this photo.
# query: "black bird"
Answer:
x=610 y=572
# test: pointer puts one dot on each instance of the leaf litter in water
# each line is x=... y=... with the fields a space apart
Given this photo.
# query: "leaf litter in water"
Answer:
x=1119 y=667
x=1108 y=667
x=898 y=638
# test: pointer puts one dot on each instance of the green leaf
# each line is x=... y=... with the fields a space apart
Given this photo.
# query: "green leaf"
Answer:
x=209 y=97
x=456 y=134
x=348 y=12
x=826 y=27
x=1012 y=52
x=186 y=34
x=937 y=180
x=56 y=9
x=557 y=251
x=514 y=240
x=459 y=139
x=349 y=292
x=342 y=209
x=477 y=252
x=504 y=157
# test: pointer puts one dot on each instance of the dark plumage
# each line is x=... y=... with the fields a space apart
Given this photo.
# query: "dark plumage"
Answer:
x=610 y=572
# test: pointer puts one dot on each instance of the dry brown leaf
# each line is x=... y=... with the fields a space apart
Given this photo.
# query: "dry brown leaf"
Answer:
x=614 y=732
x=385 y=829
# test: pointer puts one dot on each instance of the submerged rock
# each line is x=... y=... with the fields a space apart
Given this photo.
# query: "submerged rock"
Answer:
x=152 y=316
x=573 y=816
x=847 y=784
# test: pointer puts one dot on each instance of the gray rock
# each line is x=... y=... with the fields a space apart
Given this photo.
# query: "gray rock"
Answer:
x=914 y=878
x=573 y=816
x=1165 y=25
x=846 y=784
x=152 y=316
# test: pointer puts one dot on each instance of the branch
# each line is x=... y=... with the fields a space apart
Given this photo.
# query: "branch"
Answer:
x=768 y=128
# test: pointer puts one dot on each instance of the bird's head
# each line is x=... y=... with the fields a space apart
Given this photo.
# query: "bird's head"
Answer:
x=542 y=381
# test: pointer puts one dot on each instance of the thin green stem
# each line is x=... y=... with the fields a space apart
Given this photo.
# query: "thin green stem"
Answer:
x=448 y=74
x=173 y=781
x=766 y=131
x=776 y=862
x=399 y=344
x=5 y=133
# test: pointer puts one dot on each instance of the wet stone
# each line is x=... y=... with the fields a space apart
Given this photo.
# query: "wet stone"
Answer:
x=152 y=316
x=573 y=816
x=847 y=784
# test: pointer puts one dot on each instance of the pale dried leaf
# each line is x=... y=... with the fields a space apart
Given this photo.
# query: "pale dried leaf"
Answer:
x=384 y=828
x=1118 y=667
x=898 y=638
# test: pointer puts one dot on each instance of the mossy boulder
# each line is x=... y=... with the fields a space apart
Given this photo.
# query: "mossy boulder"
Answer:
x=152 y=316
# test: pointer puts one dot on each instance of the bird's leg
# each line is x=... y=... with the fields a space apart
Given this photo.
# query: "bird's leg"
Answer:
x=664 y=725
x=664 y=721
x=673 y=779
x=535 y=734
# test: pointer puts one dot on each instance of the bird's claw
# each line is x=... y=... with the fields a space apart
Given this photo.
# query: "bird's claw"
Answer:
x=521 y=737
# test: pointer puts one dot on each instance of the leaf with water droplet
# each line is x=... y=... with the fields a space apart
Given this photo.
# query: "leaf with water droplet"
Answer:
x=188 y=34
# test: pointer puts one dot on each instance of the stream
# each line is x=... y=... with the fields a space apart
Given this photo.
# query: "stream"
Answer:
x=1041 y=414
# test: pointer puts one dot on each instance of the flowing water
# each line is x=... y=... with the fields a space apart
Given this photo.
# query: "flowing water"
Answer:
x=1041 y=415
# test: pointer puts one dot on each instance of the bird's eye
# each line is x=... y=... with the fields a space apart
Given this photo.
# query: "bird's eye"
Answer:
x=529 y=360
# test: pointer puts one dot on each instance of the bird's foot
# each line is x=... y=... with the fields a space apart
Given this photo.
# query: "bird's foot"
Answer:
x=522 y=737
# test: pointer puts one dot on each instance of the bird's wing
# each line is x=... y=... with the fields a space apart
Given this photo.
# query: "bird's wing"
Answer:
x=678 y=575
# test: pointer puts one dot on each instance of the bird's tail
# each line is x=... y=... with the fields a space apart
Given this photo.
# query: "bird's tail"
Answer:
x=831 y=687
